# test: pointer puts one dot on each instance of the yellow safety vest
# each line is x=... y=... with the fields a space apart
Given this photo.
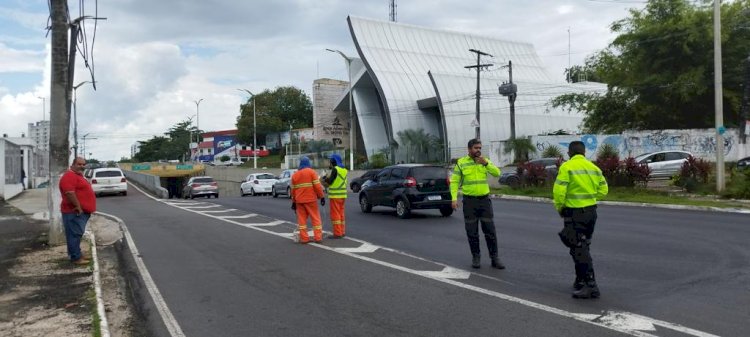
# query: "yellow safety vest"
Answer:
x=472 y=177
x=337 y=190
x=579 y=184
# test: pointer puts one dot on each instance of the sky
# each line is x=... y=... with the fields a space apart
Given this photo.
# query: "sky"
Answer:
x=152 y=60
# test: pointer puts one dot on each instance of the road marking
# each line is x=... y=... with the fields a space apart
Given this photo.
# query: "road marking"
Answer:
x=184 y=203
x=448 y=272
x=272 y=223
x=200 y=207
x=633 y=328
x=161 y=306
x=250 y=215
x=363 y=248
x=220 y=211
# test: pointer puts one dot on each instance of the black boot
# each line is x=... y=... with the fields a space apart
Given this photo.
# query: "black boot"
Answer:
x=475 y=261
x=589 y=290
x=578 y=284
x=496 y=263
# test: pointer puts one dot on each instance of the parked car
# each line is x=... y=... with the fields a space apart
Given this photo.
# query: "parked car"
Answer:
x=204 y=186
x=744 y=163
x=356 y=183
x=108 y=181
x=408 y=187
x=282 y=184
x=257 y=183
x=231 y=162
x=510 y=177
x=664 y=164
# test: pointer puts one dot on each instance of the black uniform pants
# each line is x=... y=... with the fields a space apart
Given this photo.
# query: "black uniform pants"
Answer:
x=582 y=221
x=479 y=209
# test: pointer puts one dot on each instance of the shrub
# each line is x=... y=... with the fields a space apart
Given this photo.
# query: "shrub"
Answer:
x=607 y=151
x=224 y=158
x=739 y=186
x=379 y=160
x=531 y=174
x=693 y=173
x=637 y=173
x=626 y=173
x=553 y=151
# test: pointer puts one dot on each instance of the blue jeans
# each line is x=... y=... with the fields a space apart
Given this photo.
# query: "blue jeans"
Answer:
x=75 y=225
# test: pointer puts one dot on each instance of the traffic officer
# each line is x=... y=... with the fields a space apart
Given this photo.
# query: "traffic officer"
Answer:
x=306 y=190
x=578 y=186
x=336 y=182
x=470 y=173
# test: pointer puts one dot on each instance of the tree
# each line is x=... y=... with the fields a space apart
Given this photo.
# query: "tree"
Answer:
x=659 y=69
x=173 y=145
x=274 y=112
x=521 y=148
x=417 y=143
x=578 y=73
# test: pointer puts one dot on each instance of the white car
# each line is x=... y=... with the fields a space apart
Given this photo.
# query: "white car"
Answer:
x=257 y=183
x=664 y=164
x=109 y=180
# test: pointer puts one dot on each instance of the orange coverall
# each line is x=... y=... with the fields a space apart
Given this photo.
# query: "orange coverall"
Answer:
x=306 y=190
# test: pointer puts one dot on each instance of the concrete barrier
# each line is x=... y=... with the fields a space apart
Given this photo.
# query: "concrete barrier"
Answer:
x=149 y=182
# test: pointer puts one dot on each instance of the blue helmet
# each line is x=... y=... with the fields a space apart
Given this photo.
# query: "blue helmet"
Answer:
x=304 y=162
x=336 y=159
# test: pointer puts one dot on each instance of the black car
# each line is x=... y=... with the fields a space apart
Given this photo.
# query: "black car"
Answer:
x=510 y=175
x=357 y=183
x=407 y=187
x=743 y=163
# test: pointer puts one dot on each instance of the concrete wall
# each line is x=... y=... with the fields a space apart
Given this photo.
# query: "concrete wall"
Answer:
x=149 y=182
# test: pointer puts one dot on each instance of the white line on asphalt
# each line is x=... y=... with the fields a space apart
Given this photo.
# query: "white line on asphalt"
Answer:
x=624 y=328
x=245 y=216
x=161 y=306
x=272 y=223
x=220 y=211
x=447 y=272
x=184 y=203
x=198 y=207
x=363 y=248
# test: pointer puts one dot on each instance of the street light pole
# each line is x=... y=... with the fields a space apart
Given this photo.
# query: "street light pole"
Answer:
x=352 y=131
x=198 y=120
x=44 y=105
x=255 y=138
x=75 y=116
x=718 y=99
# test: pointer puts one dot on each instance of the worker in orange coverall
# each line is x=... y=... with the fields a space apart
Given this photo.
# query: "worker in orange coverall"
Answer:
x=306 y=190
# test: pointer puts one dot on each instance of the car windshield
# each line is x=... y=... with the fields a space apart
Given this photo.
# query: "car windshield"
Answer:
x=203 y=180
x=429 y=173
x=105 y=174
x=643 y=156
x=265 y=176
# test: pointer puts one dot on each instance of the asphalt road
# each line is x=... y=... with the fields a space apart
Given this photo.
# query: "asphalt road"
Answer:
x=226 y=268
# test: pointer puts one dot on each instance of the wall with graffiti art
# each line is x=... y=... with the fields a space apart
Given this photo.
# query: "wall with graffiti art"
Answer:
x=700 y=142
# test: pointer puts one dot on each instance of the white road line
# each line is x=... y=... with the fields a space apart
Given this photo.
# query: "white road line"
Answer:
x=448 y=272
x=245 y=216
x=363 y=248
x=220 y=211
x=272 y=223
x=199 y=207
x=161 y=306
x=184 y=203
x=623 y=328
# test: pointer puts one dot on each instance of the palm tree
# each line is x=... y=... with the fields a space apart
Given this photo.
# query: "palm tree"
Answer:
x=521 y=148
x=417 y=142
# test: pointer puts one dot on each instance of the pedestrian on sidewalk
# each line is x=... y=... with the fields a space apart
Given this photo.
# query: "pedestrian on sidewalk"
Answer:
x=470 y=174
x=578 y=186
x=306 y=190
x=336 y=183
x=78 y=202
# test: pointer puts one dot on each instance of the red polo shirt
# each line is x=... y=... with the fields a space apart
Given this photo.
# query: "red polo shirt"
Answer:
x=75 y=182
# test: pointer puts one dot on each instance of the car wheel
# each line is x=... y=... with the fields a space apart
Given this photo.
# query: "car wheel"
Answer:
x=364 y=205
x=216 y=195
x=192 y=196
x=252 y=192
x=273 y=193
x=402 y=210
x=514 y=182
x=289 y=192
x=356 y=188
x=124 y=193
x=446 y=211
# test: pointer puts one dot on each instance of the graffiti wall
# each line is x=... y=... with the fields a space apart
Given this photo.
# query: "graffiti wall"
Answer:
x=700 y=142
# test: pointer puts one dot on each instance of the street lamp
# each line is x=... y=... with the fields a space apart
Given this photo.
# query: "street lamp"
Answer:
x=75 y=116
x=44 y=105
x=198 y=119
x=352 y=132
x=255 y=139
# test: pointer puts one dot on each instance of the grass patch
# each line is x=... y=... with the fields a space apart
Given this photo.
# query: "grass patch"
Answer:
x=635 y=195
x=269 y=161
x=96 y=321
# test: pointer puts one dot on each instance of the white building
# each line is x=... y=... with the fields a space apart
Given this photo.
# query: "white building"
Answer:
x=39 y=132
x=411 y=77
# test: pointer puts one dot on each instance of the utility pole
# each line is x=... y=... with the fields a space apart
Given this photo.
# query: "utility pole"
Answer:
x=479 y=67
x=744 y=108
x=392 y=10
x=718 y=99
x=255 y=137
x=510 y=90
x=59 y=115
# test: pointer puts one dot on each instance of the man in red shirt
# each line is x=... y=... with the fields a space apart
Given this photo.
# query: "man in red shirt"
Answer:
x=78 y=202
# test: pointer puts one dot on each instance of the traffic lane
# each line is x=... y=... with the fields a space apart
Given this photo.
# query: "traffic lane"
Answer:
x=222 y=279
x=639 y=253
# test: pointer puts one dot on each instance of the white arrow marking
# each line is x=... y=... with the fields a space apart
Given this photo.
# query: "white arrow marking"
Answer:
x=272 y=223
x=620 y=320
x=364 y=248
x=447 y=272
x=201 y=207
x=238 y=216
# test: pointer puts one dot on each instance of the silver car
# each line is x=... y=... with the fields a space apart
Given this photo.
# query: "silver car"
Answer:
x=282 y=186
x=200 y=187
x=664 y=164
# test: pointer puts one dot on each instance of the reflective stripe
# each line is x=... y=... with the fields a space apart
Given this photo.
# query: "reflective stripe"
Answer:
x=318 y=227
x=560 y=182
x=302 y=185
x=316 y=181
x=581 y=196
x=589 y=172
x=338 y=186
x=474 y=182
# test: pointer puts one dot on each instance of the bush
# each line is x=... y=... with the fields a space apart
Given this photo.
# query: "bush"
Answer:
x=693 y=173
x=739 y=186
x=224 y=158
x=378 y=160
x=553 y=151
x=531 y=174
x=607 y=151
x=626 y=173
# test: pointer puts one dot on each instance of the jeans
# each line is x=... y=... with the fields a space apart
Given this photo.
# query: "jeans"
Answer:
x=75 y=225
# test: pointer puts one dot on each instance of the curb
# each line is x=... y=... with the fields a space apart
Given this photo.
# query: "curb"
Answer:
x=103 y=325
x=631 y=204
